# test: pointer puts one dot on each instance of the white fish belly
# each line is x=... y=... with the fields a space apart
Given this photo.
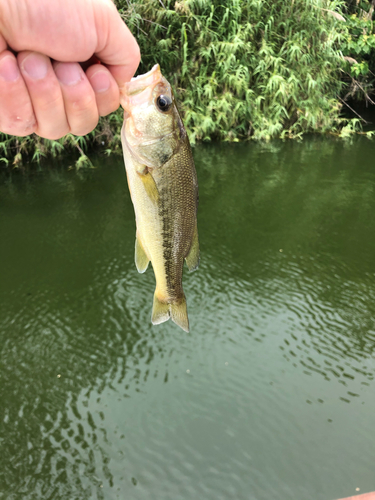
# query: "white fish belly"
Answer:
x=148 y=222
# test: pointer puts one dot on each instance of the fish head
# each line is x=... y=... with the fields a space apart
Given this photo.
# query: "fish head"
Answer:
x=152 y=130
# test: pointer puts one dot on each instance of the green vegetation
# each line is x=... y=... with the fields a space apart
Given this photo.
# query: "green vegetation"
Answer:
x=255 y=68
x=242 y=69
x=359 y=48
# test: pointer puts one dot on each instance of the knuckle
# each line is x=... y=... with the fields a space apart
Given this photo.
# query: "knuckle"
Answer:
x=84 y=127
x=84 y=104
x=16 y=125
x=107 y=108
x=49 y=103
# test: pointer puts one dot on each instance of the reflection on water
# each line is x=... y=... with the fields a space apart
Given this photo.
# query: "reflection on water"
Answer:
x=270 y=396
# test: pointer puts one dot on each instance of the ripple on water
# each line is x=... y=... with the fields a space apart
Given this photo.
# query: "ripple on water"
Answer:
x=272 y=385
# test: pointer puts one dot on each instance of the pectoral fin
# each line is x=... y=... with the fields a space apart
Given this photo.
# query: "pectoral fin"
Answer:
x=149 y=185
x=141 y=259
x=192 y=258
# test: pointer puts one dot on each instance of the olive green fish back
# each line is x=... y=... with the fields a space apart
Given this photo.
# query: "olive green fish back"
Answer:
x=177 y=185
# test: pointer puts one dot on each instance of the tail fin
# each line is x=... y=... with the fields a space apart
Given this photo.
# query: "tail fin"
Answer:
x=162 y=311
x=179 y=314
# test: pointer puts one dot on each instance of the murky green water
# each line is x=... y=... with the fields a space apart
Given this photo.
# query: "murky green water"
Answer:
x=271 y=395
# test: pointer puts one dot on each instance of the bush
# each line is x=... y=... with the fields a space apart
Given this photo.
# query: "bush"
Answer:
x=240 y=69
x=359 y=48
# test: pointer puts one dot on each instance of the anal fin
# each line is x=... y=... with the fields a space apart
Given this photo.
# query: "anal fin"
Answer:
x=140 y=257
x=192 y=258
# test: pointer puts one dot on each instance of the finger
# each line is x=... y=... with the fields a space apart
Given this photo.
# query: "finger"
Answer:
x=72 y=30
x=45 y=94
x=106 y=90
x=16 y=111
x=116 y=46
x=3 y=44
x=79 y=98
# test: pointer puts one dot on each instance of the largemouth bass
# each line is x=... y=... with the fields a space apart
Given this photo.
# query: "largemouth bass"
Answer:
x=164 y=190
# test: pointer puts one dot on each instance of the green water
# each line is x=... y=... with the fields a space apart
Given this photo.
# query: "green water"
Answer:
x=271 y=395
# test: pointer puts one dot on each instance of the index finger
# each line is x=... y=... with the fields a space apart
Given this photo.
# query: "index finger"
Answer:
x=3 y=44
x=116 y=47
x=71 y=31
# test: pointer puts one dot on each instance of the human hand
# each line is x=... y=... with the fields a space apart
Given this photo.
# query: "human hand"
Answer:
x=43 y=88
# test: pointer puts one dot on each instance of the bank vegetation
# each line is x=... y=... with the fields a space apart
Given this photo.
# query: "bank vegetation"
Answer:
x=242 y=69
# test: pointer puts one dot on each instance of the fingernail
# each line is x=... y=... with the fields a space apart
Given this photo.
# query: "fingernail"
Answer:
x=36 y=66
x=68 y=73
x=8 y=69
x=100 y=81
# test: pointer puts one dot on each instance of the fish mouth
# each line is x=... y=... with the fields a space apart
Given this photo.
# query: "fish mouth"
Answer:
x=141 y=82
x=138 y=94
x=139 y=89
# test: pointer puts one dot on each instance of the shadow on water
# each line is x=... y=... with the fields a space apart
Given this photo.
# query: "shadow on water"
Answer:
x=273 y=385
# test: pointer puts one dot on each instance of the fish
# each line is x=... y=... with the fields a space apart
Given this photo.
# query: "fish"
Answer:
x=163 y=187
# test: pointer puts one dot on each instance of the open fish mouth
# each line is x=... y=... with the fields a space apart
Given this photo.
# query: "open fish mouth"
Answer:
x=146 y=123
x=141 y=82
x=139 y=89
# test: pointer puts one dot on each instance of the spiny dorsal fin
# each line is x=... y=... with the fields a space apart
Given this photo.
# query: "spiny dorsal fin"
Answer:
x=141 y=259
x=192 y=258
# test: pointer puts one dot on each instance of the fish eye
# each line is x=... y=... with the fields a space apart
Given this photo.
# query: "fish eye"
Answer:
x=164 y=103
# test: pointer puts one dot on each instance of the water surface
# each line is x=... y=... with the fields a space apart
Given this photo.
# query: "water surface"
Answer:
x=271 y=395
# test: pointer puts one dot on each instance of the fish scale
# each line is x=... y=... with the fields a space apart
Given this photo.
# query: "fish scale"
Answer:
x=164 y=190
x=177 y=185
